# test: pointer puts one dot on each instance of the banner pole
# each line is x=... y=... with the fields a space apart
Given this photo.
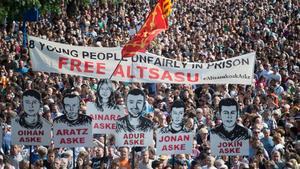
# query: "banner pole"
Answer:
x=115 y=69
x=173 y=161
x=229 y=161
x=30 y=149
x=105 y=153
x=132 y=158
x=74 y=157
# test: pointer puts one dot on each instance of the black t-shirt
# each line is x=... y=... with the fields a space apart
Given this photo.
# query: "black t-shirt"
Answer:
x=98 y=163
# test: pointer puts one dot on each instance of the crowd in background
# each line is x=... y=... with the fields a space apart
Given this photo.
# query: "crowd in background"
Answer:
x=199 y=31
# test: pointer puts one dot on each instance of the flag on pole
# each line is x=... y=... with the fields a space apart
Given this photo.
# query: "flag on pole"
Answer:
x=156 y=22
x=167 y=7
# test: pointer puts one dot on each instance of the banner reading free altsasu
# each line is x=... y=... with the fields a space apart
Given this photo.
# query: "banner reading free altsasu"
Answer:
x=99 y=62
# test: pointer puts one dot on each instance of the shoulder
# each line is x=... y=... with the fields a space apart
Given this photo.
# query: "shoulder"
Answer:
x=146 y=121
x=84 y=119
x=164 y=130
x=243 y=132
x=216 y=129
x=242 y=129
x=122 y=119
x=16 y=119
x=45 y=121
x=60 y=119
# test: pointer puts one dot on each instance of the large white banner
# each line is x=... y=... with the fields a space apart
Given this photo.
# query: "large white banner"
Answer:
x=101 y=62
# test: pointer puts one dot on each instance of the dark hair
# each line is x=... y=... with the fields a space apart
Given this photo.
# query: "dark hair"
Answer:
x=178 y=104
x=228 y=102
x=70 y=96
x=32 y=93
x=137 y=92
x=111 y=100
x=155 y=164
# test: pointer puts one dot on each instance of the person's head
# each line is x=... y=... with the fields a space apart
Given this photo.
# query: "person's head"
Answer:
x=135 y=102
x=15 y=150
x=63 y=163
x=99 y=151
x=145 y=156
x=228 y=109
x=177 y=112
x=180 y=164
x=276 y=156
x=79 y=161
x=210 y=160
x=51 y=155
x=266 y=132
x=115 y=164
x=24 y=164
x=31 y=102
x=105 y=90
x=219 y=163
x=71 y=104
x=124 y=152
x=156 y=164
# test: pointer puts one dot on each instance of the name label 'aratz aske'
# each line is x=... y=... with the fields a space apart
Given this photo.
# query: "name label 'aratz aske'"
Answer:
x=83 y=131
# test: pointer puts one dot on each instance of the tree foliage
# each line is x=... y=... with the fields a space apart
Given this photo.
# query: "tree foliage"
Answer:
x=14 y=9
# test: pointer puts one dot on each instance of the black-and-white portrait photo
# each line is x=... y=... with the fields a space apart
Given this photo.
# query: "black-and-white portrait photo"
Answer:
x=134 y=121
x=31 y=118
x=229 y=129
x=105 y=96
x=72 y=116
x=177 y=119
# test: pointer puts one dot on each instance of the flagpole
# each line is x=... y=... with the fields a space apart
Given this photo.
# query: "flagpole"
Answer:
x=115 y=69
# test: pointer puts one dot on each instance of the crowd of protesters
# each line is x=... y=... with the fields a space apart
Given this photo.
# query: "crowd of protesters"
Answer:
x=199 y=31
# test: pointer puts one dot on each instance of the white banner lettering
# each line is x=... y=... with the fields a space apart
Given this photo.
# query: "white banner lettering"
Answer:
x=100 y=63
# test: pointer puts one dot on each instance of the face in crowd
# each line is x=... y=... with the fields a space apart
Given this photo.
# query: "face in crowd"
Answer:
x=72 y=107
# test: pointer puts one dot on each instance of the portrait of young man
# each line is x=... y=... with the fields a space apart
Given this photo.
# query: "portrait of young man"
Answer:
x=72 y=116
x=134 y=121
x=31 y=118
x=229 y=129
x=177 y=113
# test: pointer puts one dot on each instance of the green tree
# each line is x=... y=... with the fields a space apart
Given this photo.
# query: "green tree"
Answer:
x=14 y=9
